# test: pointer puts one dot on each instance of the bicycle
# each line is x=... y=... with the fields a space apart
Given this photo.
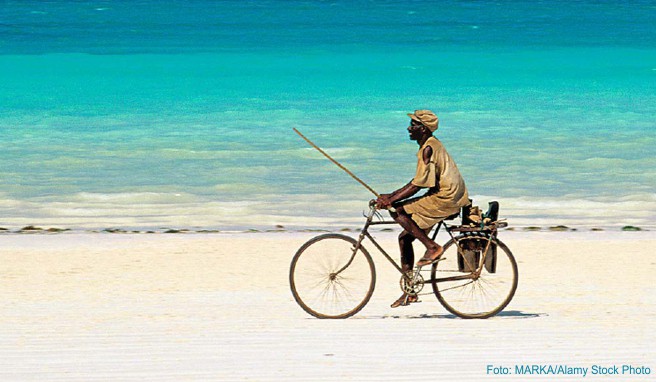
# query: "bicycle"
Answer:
x=333 y=275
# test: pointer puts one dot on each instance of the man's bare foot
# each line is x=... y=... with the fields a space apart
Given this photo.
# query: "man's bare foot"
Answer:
x=431 y=256
x=404 y=300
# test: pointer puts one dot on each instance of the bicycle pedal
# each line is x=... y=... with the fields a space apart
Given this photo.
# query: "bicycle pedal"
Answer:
x=418 y=267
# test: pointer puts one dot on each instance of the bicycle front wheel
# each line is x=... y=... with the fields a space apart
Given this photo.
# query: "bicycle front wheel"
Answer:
x=467 y=296
x=329 y=280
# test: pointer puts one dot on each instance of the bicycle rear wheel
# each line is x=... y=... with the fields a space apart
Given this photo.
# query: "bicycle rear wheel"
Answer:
x=480 y=297
x=317 y=283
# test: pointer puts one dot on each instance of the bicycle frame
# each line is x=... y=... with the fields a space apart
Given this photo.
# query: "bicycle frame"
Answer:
x=365 y=233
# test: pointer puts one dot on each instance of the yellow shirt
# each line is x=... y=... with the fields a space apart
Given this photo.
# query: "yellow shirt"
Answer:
x=441 y=176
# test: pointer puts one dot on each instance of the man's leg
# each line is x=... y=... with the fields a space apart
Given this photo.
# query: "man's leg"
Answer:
x=407 y=252
x=433 y=250
x=407 y=263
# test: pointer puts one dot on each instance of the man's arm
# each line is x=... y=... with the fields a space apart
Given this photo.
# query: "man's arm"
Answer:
x=386 y=200
x=404 y=192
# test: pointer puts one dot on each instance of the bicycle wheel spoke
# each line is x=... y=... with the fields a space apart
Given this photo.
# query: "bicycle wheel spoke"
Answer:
x=347 y=293
x=325 y=264
x=320 y=291
x=457 y=286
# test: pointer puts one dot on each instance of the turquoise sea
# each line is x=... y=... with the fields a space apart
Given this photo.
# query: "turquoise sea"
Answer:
x=145 y=114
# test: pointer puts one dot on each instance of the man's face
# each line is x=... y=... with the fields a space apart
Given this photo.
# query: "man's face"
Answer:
x=416 y=130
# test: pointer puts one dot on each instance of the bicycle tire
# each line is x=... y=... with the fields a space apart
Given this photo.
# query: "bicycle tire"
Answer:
x=323 y=296
x=480 y=298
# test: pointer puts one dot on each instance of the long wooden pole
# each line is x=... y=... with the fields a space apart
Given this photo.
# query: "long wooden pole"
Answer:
x=337 y=163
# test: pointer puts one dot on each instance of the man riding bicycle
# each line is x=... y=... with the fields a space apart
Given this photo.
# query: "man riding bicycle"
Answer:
x=446 y=195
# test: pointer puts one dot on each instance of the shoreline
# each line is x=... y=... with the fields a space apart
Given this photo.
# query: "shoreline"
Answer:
x=44 y=230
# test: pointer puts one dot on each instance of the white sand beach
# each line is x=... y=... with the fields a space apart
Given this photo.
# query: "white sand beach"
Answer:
x=184 y=307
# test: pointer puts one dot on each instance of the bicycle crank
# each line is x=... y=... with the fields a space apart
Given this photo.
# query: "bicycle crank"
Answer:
x=412 y=285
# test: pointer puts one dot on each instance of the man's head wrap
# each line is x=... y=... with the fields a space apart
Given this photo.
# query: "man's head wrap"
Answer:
x=426 y=118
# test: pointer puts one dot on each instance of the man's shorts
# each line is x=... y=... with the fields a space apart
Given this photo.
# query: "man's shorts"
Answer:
x=429 y=210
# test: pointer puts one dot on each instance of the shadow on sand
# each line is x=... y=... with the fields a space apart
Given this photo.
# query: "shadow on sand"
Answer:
x=514 y=314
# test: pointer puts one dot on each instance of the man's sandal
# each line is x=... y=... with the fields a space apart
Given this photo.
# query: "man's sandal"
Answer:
x=404 y=300
x=427 y=260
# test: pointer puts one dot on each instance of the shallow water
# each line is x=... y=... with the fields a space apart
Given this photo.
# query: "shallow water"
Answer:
x=124 y=114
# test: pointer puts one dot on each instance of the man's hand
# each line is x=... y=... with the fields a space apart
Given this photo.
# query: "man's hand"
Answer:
x=384 y=201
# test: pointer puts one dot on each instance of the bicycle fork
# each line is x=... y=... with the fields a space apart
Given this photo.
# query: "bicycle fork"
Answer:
x=358 y=244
